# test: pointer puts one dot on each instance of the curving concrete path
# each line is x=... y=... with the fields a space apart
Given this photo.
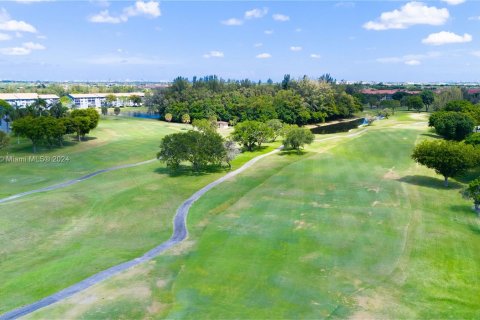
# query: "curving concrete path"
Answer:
x=179 y=234
x=74 y=181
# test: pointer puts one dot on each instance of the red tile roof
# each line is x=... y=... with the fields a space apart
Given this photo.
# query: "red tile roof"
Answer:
x=387 y=92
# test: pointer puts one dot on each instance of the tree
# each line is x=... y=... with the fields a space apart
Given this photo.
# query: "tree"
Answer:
x=111 y=99
x=390 y=104
x=205 y=125
x=384 y=113
x=136 y=100
x=473 y=139
x=427 y=98
x=231 y=151
x=58 y=110
x=447 y=158
x=297 y=137
x=446 y=95
x=81 y=125
x=452 y=125
x=116 y=111
x=251 y=134
x=4 y=140
x=473 y=192
x=168 y=117
x=199 y=148
x=91 y=113
x=104 y=110
x=276 y=126
x=414 y=102
x=30 y=128
x=186 y=118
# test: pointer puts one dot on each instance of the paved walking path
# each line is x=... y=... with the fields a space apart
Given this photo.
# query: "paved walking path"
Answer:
x=74 y=181
x=179 y=234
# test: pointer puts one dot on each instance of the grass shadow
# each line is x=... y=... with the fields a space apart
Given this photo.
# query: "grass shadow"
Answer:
x=291 y=152
x=430 y=182
x=431 y=135
x=469 y=175
x=188 y=171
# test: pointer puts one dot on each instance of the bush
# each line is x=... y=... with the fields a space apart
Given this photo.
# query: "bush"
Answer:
x=452 y=125
x=297 y=137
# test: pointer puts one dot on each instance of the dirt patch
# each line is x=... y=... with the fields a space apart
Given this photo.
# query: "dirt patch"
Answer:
x=300 y=225
x=391 y=175
x=319 y=205
x=368 y=307
x=232 y=215
x=155 y=307
x=309 y=257
x=374 y=189
x=375 y=203
x=161 y=283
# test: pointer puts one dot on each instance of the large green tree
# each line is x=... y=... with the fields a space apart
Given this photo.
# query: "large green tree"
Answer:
x=452 y=125
x=447 y=158
x=414 y=102
x=427 y=98
x=473 y=192
x=296 y=138
x=251 y=134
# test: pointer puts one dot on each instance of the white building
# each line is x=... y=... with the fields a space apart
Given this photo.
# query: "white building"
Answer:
x=85 y=100
x=25 y=99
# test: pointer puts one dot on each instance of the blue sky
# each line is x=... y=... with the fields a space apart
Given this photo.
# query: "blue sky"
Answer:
x=150 y=40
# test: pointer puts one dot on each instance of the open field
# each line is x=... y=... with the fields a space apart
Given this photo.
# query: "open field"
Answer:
x=352 y=228
x=114 y=142
x=54 y=239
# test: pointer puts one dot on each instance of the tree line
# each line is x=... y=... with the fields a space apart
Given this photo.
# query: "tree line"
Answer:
x=292 y=101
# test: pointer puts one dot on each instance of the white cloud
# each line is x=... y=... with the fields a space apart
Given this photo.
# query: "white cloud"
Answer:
x=25 y=49
x=105 y=17
x=315 y=56
x=412 y=62
x=476 y=53
x=232 y=22
x=474 y=18
x=268 y=32
x=410 y=59
x=214 y=54
x=41 y=37
x=258 y=45
x=410 y=14
x=256 y=13
x=8 y=24
x=4 y=37
x=444 y=37
x=149 y=9
x=294 y=48
x=280 y=17
x=141 y=8
x=263 y=56
x=345 y=4
x=454 y=2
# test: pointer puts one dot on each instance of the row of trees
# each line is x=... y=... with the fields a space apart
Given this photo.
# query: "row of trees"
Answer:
x=204 y=146
x=293 y=102
x=50 y=131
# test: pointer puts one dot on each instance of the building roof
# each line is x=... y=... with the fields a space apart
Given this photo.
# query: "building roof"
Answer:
x=473 y=91
x=103 y=95
x=26 y=96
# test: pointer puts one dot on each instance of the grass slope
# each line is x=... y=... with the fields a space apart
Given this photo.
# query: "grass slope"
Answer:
x=116 y=141
x=54 y=239
x=352 y=228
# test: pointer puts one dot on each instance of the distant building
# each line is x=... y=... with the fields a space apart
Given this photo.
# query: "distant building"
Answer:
x=85 y=100
x=222 y=124
x=26 y=99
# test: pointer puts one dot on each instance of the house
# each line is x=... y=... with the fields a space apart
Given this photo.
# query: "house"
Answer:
x=222 y=124
x=85 y=100
x=24 y=99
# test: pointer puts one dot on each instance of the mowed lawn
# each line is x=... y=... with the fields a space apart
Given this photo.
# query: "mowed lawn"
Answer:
x=54 y=239
x=352 y=228
x=114 y=142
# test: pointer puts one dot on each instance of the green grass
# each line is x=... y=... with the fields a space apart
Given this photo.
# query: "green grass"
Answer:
x=350 y=228
x=114 y=142
x=54 y=239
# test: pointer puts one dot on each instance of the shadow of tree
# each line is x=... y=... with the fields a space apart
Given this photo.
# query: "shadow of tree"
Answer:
x=425 y=181
x=184 y=170
x=290 y=152
x=431 y=135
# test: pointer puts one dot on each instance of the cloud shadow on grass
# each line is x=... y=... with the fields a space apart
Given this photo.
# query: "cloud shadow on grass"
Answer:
x=430 y=182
